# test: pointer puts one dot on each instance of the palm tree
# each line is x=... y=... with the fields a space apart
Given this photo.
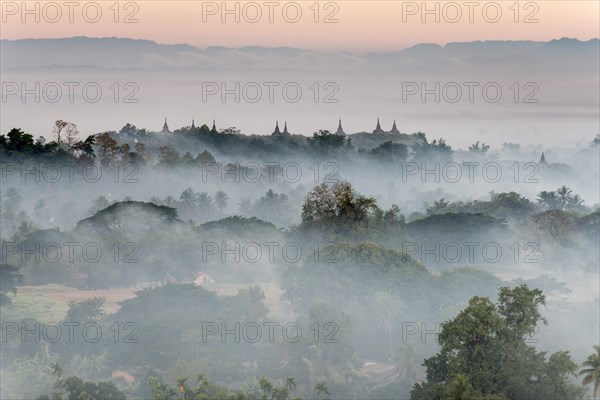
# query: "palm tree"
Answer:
x=548 y=200
x=41 y=203
x=280 y=393
x=474 y=148
x=290 y=384
x=221 y=200
x=57 y=371
x=591 y=372
x=564 y=195
x=459 y=388
x=321 y=389
x=181 y=385
x=575 y=202
x=14 y=198
x=266 y=388
x=204 y=202
x=188 y=199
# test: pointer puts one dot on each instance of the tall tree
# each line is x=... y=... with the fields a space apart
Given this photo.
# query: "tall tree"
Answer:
x=475 y=148
x=221 y=199
x=548 y=200
x=486 y=344
x=57 y=130
x=108 y=150
x=338 y=206
x=322 y=389
x=189 y=199
x=564 y=196
x=65 y=132
x=591 y=371
x=459 y=388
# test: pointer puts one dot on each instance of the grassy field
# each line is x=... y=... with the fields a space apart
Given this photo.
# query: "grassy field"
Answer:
x=49 y=303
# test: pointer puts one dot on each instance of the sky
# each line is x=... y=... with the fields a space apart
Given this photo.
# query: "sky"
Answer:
x=354 y=26
x=323 y=26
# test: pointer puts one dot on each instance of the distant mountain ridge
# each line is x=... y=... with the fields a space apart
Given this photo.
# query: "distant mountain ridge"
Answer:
x=115 y=52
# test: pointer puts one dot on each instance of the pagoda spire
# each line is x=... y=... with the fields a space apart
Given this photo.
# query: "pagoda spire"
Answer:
x=340 y=130
x=542 y=159
x=285 y=131
x=276 y=131
x=165 y=128
x=193 y=126
x=394 y=128
x=214 y=127
x=378 y=127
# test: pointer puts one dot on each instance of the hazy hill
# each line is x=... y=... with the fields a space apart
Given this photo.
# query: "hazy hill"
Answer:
x=134 y=53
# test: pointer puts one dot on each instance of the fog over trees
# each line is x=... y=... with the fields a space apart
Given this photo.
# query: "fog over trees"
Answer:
x=203 y=263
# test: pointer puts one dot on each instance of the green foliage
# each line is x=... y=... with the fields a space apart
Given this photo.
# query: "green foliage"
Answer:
x=204 y=390
x=475 y=148
x=28 y=377
x=507 y=205
x=361 y=286
x=74 y=388
x=554 y=226
x=337 y=207
x=321 y=389
x=390 y=152
x=85 y=311
x=561 y=199
x=396 y=390
x=18 y=141
x=326 y=143
x=338 y=213
x=157 y=311
x=459 y=388
x=9 y=279
x=272 y=207
x=123 y=213
x=591 y=371
x=237 y=223
x=168 y=156
x=349 y=271
x=428 y=391
x=436 y=151
x=484 y=353
x=436 y=231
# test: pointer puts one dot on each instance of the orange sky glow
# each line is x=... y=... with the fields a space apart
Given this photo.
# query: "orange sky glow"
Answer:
x=355 y=26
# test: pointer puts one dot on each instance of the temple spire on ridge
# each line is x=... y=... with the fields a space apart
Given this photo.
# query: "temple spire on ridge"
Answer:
x=340 y=130
x=378 y=127
x=276 y=131
x=165 y=128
